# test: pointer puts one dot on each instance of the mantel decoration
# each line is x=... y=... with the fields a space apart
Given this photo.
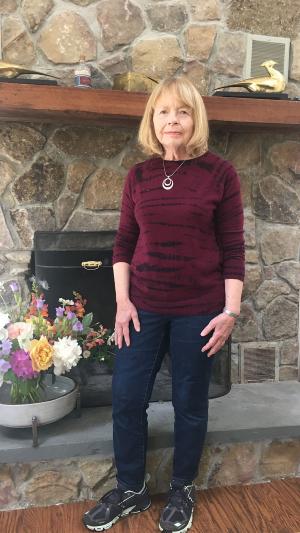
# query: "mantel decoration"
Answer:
x=134 y=81
x=9 y=72
x=273 y=83
x=32 y=345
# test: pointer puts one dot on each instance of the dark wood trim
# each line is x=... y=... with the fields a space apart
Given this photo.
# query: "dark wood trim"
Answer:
x=40 y=103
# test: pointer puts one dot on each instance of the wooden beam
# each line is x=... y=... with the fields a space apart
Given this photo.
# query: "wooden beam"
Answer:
x=253 y=111
x=42 y=103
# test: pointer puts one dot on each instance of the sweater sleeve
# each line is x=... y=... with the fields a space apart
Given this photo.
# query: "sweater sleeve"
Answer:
x=229 y=227
x=128 y=232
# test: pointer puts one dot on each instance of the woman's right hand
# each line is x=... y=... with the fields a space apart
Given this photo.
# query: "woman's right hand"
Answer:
x=126 y=311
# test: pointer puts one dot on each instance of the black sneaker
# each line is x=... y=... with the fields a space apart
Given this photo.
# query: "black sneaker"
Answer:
x=177 y=516
x=115 y=504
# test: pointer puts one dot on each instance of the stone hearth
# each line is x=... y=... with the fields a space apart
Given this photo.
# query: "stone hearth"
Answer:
x=253 y=436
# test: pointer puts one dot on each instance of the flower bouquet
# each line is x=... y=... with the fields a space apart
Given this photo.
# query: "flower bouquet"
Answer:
x=31 y=344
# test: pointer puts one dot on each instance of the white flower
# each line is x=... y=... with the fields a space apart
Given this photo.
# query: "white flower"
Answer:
x=66 y=354
x=111 y=339
x=3 y=334
x=25 y=336
x=66 y=302
x=44 y=284
x=4 y=319
x=86 y=354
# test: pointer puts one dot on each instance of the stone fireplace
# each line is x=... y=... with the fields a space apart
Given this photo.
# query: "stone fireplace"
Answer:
x=59 y=258
x=70 y=178
x=61 y=176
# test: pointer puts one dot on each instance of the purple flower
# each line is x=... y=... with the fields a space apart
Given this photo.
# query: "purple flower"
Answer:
x=21 y=365
x=59 y=311
x=4 y=366
x=14 y=286
x=70 y=315
x=39 y=303
x=77 y=326
x=6 y=347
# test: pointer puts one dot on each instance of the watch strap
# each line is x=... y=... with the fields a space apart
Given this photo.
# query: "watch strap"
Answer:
x=230 y=313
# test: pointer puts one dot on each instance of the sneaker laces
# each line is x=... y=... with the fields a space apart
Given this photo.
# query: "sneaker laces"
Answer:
x=114 y=496
x=177 y=498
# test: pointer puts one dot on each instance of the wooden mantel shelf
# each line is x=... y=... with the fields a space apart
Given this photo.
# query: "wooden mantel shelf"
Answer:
x=46 y=103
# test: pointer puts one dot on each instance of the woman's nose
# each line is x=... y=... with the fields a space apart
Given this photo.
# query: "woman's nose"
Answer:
x=172 y=120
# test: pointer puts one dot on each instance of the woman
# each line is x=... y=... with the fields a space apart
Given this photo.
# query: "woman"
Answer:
x=178 y=260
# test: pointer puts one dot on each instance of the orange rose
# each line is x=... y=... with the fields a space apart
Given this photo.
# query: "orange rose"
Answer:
x=41 y=353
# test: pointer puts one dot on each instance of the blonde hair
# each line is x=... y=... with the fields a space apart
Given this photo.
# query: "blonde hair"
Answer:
x=189 y=96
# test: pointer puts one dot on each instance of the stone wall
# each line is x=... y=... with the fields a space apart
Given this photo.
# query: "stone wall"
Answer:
x=62 y=481
x=61 y=177
x=204 y=39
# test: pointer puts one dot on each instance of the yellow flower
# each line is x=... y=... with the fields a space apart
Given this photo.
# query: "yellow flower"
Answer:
x=41 y=353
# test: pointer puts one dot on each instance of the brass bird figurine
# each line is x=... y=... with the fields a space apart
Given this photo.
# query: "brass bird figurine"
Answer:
x=9 y=70
x=273 y=83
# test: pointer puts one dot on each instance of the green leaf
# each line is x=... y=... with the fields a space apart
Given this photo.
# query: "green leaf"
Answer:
x=15 y=345
x=10 y=376
x=87 y=320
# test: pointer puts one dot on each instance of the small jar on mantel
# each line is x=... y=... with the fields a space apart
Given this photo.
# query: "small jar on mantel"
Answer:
x=83 y=77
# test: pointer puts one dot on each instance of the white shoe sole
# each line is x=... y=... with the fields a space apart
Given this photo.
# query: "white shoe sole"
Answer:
x=110 y=524
x=186 y=528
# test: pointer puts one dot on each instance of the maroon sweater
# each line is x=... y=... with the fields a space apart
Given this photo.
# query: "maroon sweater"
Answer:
x=182 y=243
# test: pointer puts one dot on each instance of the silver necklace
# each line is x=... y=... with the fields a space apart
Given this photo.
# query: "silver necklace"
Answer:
x=168 y=183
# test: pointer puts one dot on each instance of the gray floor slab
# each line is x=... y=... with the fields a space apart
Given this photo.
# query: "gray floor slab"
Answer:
x=249 y=412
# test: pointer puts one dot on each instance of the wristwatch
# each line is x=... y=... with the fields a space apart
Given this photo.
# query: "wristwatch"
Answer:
x=230 y=313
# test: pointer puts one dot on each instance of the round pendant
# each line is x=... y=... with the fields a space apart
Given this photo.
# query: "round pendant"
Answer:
x=167 y=183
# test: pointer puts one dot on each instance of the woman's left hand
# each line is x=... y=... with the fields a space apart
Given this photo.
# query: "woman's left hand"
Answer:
x=222 y=325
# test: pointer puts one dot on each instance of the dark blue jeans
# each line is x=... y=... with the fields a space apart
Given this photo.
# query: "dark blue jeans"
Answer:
x=134 y=373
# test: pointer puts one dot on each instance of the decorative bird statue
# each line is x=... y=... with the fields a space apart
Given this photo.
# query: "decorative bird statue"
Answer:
x=9 y=70
x=273 y=83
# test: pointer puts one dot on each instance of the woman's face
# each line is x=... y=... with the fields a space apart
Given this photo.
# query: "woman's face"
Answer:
x=173 y=122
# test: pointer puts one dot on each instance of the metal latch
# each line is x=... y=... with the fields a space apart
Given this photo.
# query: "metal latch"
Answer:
x=91 y=265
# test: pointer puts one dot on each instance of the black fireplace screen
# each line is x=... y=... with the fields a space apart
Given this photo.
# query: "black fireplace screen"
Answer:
x=59 y=258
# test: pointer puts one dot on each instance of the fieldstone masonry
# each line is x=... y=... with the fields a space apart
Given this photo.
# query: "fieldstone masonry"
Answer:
x=34 y=12
x=120 y=30
x=264 y=18
x=82 y=478
x=64 y=178
x=66 y=37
